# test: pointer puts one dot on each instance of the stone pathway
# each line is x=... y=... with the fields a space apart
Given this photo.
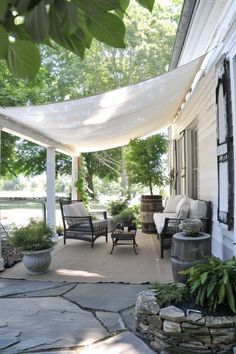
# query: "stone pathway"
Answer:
x=68 y=318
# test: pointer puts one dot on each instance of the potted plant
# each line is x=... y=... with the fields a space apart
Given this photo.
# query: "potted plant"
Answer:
x=145 y=166
x=35 y=243
x=126 y=218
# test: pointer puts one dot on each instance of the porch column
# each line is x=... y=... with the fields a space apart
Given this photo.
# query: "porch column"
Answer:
x=51 y=220
x=74 y=177
x=1 y=259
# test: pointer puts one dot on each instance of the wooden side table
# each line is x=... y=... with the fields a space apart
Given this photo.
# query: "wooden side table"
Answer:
x=121 y=237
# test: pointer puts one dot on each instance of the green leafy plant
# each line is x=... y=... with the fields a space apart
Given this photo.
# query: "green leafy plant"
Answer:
x=72 y=24
x=80 y=184
x=213 y=283
x=170 y=294
x=115 y=207
x=35 y=236
x=59 y=230
x=125 y=217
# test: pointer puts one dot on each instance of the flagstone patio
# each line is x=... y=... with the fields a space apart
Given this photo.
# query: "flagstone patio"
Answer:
x=49 y=317
x=84 y=304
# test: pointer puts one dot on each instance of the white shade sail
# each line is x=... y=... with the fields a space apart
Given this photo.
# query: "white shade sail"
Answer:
x=106 y=120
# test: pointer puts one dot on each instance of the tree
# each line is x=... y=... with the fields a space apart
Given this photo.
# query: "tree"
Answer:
x=71 y=24
x=145 y=161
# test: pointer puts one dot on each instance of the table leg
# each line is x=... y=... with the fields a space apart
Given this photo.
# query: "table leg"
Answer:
x=113 y=245
x=134 y=244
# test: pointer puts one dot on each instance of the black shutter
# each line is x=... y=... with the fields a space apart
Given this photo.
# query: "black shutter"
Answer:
x=225 y=145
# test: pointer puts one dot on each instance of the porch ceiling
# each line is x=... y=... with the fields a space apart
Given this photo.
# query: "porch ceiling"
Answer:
x=106 y=120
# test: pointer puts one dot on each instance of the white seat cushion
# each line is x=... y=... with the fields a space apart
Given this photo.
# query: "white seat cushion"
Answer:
x=159 y=220
x=172 y=203
x=198 y=209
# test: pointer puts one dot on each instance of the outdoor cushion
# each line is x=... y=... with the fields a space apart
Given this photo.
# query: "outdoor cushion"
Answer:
x=98 y=225
x=198 y=209
x=80 y=208
x=74 y=209
x=159 y=220
x=182 y=209
x=172 y=203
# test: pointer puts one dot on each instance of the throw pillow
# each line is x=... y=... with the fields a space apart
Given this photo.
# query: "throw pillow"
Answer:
x=172 y=203
x=198 y=209
x=181 y=205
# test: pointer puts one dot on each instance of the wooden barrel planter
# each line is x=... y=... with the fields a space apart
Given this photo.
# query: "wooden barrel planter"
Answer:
x=187 y=251
x=150 y=204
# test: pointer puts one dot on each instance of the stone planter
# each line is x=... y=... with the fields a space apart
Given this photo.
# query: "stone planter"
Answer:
x=171 y=330
x=37 y=262
x=187 y=251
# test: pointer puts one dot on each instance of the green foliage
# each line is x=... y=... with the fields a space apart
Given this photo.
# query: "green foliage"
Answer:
x=80 y=184
x=213 y=283
x=125 y=216
x=35 y=236
x=71 y=24
x=170 y=294
x=145 y=161
x=115 y=207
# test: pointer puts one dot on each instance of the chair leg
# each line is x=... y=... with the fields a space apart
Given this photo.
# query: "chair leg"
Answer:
x=64 y=239
x=106 y=237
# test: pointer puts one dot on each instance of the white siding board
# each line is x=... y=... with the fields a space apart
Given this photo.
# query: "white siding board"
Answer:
x=201 y=105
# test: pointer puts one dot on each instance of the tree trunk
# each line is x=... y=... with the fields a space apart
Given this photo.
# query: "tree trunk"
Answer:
x=150 y=186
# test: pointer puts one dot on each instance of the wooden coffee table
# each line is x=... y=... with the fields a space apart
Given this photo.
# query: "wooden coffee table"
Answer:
x=121 y=237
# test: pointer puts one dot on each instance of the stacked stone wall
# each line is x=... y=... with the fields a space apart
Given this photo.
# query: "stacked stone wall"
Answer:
x=171 y=330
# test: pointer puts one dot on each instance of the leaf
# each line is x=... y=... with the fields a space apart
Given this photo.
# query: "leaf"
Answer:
x=203 y=277
x=148 y=4
x=67 y=12
x=23 y=59
x=230 y=297
x=94 y=6
x=221 y=293
x=4 y=42
x=211 y=285
x=3 y=9
x=108 y=28
x=37 y=23
x=24 y=5
x=225 y=277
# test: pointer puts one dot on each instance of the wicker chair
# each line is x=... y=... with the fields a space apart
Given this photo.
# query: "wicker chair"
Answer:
x=79 y=225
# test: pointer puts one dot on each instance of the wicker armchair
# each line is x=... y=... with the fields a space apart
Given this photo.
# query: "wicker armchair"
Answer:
x=79 y=225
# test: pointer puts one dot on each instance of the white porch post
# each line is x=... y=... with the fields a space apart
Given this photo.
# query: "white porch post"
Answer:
x=1 y=259
x=74 y=176
x=51 y=188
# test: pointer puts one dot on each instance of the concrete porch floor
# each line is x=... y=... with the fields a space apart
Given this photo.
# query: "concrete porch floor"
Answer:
x=78 y=262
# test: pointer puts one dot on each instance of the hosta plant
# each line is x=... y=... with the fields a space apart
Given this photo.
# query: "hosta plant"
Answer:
x=213 y=283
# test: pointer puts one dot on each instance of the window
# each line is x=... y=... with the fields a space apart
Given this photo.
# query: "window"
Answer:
x=225 y=145
x=192 y=168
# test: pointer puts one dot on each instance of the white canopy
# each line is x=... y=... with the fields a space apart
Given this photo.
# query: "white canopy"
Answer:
x=106 y=120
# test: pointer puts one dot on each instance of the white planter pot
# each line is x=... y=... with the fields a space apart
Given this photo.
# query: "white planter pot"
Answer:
x=37 y=262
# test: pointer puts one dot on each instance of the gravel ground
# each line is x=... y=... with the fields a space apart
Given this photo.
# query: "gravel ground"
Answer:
x=10 y=255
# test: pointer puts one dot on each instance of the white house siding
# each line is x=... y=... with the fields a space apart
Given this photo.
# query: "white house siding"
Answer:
x=201 y=106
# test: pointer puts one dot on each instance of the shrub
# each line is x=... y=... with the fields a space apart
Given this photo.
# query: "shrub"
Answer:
x=35 y=236
x=170 y=294
x=125 y=216
x=115 y=207
x=213 y=283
